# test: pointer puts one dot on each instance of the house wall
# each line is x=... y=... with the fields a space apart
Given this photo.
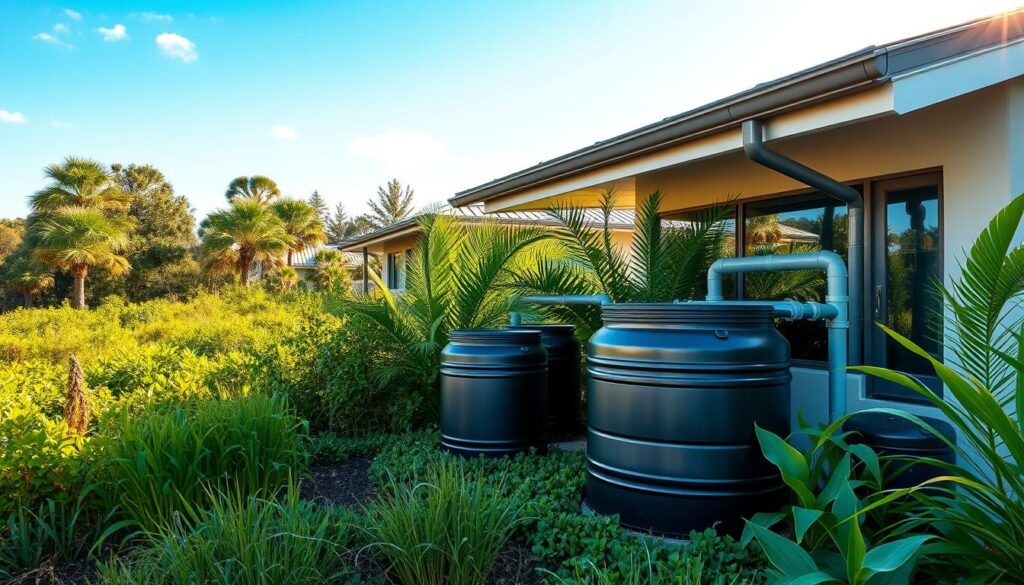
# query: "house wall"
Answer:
x=976 y=140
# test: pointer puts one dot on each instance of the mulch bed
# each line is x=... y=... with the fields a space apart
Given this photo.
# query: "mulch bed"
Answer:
x=340 y=484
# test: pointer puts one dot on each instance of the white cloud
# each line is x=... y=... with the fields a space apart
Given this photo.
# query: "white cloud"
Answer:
x=12 y=117
x=72 y=14
x=175 y=46
x=52 y=39
x=153 y=17
x=400 y=150
x=284 y=133
x=117 y=33
x=61 y=29
x=60 y=124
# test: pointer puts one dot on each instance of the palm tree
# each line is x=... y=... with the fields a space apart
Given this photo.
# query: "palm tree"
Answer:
x=74 y=239
x=763 y=230
x=331 y=274
x=391 y=205
x=79 y=182
x=256 y=188
x=23 y=276
x=457 y=279
x=236 y=237
x=667 y=263
x=301 y=222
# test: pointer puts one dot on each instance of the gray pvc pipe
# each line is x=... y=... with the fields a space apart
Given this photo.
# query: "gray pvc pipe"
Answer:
x=754 y=148
x=835 y=296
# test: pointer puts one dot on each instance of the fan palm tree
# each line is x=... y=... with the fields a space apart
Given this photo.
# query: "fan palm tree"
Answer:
x=246 y=232
x=283 y=279
x=74 y=239
x=79 y=182
x=457 y=279
x=667 y=263
x=302 y=223
x=256 y=188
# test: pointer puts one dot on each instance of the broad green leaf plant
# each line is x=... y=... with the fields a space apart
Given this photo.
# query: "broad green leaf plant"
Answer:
x=834 y=538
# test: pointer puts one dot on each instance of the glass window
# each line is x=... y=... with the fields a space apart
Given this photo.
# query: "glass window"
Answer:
x=792 y=225
x=907 y=267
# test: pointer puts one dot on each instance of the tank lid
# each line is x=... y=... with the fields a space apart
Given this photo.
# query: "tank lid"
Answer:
x=731 y=313
x=895 y=432
x=495 y=336
x=548 y=329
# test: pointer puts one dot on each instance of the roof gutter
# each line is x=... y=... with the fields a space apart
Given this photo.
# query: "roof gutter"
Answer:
x=754 y=148
x=842 y=76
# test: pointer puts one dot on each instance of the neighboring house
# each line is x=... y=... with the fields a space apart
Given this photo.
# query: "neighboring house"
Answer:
x=394 y=243
x=304 y=263
x=928 y=130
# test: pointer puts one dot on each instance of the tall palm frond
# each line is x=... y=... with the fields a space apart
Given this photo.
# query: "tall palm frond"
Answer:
x=592 y=246
x=70 y=237
x=255 y=188
x=79 y=182
x=980 y=321
x=246 y=232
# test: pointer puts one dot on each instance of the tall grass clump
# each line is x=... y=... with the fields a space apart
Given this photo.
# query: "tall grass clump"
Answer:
x=247 y=540
x=162 y=461
x=446 y=528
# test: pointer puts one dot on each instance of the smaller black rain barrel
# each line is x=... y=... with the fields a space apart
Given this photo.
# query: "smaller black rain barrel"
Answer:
x=674 y=391
x=893 y=435
x=494 y=392
x=563 y=375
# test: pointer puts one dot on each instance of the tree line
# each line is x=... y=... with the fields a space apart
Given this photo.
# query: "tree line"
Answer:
x=125 y=231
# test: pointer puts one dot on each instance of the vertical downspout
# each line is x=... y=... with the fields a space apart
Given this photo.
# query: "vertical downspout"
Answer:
x=754 y=148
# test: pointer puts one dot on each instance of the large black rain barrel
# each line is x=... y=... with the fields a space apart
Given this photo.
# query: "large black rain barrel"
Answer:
x=493 y=392
x=674 y=392
x=896 y=436
x=563 y=375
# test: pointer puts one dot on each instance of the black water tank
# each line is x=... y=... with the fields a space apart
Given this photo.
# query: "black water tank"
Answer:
x=494 y=392
x=563 y=375
x=674 y=392
x=889 y=434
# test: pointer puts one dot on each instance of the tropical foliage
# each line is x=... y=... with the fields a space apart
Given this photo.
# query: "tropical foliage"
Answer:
x=458 y=278
x=246 y=232
x=666 y=262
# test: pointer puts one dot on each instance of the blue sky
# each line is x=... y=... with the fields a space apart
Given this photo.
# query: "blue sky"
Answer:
x=342 y=96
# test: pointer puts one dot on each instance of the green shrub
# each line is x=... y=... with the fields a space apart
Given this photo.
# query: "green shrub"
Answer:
x=329 y=448
x=252 y=539
x=445 y=529
x=38 y=456
x=162 y=461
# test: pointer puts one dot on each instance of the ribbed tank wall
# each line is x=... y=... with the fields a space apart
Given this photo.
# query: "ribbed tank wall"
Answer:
x=493 y=392
x=564 y=387
x=674 y=391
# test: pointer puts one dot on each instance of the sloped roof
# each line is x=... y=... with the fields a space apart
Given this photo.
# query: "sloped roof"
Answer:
x=857 y=71
x=307 y=257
